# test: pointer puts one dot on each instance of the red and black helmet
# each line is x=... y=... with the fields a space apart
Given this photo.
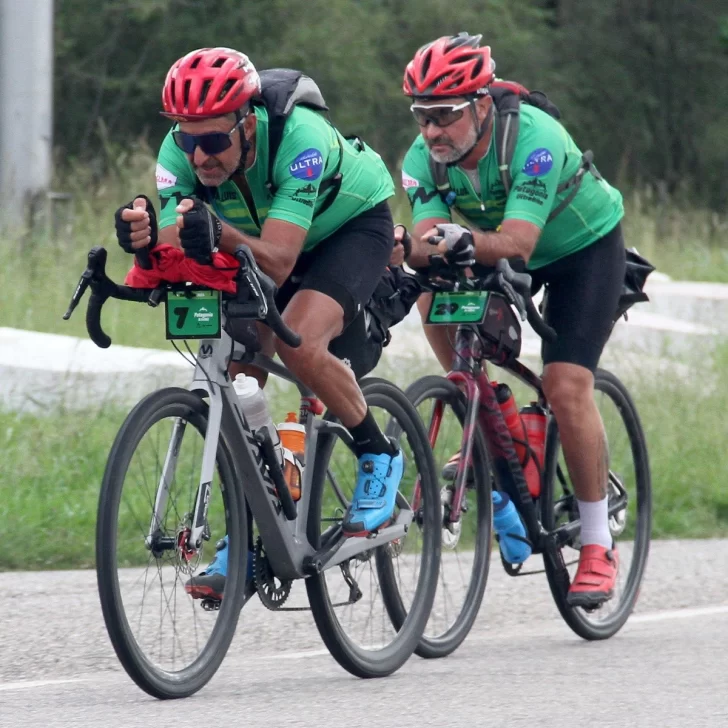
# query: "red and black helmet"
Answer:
x=454 y=65
x=209 y=82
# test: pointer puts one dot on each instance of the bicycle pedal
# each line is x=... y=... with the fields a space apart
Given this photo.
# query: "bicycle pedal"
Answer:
x=211 y=605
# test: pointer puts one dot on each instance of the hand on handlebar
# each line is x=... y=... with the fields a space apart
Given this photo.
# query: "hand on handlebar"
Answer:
x=454 y=242
x=136 y=225
x=199 y=230
x=402 y=245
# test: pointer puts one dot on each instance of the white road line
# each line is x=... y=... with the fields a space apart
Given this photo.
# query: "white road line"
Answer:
x=685 y=613
x=27 y=684
x=661 y=616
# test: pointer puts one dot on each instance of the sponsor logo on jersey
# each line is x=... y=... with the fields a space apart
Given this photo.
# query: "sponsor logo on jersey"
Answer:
x=307 y=165
x=409 y=182
x=539 y=163
x=165 y=179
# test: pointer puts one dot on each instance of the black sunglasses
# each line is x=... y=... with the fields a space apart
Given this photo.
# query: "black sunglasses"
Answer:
x=214 y=142
x=441 y=115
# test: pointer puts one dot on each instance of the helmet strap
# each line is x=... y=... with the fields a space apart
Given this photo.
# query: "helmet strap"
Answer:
x=245 y=145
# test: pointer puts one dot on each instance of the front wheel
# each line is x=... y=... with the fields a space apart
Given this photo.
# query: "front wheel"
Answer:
x=466 y=540
x=168 y=643
x=371 y=609
x=630 y=525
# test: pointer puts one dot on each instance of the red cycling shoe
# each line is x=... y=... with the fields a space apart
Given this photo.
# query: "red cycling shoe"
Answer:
x=595 y=578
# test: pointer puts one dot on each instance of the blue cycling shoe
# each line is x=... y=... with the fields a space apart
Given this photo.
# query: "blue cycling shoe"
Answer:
x=374 y=496
x=210 y=583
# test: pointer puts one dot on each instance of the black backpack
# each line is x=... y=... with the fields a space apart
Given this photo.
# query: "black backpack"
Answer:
x=281 y=90
x=507 y=98
x=391 y=301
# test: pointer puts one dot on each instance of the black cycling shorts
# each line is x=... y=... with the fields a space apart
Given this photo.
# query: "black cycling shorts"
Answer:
x=582 y=291
x=347 y=265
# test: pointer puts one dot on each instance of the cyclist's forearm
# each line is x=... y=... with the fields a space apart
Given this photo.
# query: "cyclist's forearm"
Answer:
x=271 y=258
x=490 y=247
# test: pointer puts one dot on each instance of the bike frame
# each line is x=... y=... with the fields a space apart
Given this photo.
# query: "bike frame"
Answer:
x=287 y=545
x=469 y=372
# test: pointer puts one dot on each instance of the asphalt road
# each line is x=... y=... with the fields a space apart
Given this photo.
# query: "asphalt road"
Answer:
x=521 y=665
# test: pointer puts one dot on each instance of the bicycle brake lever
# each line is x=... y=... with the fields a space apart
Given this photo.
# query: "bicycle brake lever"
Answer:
x=81 y=287
x=513 y=297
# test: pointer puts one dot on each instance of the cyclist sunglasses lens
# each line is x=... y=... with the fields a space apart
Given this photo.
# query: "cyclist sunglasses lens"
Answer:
x=439 y=116
x=212 y=143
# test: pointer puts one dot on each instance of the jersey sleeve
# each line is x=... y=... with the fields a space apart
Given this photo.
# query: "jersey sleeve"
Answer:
x=537 y=165
x=305 y=153
x=420 y=187
x=175 y=180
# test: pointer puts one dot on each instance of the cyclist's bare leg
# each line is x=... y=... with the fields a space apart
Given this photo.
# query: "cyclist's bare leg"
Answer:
x=318 y=319
x=440 y=338
x=569 y=389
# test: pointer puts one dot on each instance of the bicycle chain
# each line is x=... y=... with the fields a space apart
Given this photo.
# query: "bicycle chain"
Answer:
x=262 y=570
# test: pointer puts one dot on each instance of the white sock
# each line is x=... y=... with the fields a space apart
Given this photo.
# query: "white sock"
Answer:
x=595 y=523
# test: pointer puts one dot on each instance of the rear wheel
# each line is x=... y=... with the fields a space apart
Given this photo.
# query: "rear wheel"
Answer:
x=630 y=525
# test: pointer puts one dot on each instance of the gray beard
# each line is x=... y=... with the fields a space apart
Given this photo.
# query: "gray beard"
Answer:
x=456 y=152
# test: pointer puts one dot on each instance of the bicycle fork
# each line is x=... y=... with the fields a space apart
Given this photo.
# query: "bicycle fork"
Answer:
x=202 y=499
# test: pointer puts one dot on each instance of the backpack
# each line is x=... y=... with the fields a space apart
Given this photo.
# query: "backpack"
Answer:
x=391 y=301
x=281 y=90
x=507 y=98
x=360 y=345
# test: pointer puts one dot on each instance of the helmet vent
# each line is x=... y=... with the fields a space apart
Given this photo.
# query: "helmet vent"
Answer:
x=203 y=92
x=226 y=89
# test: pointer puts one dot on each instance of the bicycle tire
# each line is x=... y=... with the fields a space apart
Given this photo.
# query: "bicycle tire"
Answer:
x=381 y=662
x=437 y=387
x=160 y=683
x=578 y=619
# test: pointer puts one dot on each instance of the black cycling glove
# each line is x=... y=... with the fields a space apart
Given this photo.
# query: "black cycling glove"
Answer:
x=200 y=233
x=459 y=241
x=123 y=228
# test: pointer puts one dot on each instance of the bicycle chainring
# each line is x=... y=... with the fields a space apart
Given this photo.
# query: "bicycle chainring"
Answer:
x=272 y=592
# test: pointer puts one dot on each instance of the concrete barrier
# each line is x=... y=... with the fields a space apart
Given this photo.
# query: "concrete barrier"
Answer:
x=40 y=371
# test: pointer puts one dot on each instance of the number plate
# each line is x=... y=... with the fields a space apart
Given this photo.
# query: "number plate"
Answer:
x=467 y=307
x=193 y=314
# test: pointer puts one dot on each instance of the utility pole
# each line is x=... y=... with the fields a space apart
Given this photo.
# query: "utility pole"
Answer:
x=26 y=107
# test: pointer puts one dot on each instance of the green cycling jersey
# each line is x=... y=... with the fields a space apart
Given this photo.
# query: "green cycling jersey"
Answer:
x=545 y=156
x=308 y=155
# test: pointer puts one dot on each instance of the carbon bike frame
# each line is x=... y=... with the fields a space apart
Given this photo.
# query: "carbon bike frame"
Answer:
x=282 y=525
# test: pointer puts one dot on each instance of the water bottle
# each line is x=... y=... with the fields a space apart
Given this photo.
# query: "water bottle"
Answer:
x=520 y=434
x=507 y=524
x=534 y=421
x=293 y=438
x=255 y=406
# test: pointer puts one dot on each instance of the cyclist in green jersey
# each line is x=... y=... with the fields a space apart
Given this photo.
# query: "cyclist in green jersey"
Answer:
x=325 y=259
x=577 y=253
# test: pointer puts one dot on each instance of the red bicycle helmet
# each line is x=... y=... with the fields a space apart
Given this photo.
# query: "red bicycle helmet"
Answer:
x=454 y=65
x=209 y=82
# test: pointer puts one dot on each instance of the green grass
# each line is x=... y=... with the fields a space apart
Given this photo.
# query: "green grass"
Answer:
x=52 y=468
x=52 y=464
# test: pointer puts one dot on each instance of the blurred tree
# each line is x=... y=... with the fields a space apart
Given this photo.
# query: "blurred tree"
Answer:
x=635 y=79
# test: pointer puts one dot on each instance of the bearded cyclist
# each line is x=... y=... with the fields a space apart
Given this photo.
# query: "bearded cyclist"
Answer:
x=577 y=254
x=326 y=260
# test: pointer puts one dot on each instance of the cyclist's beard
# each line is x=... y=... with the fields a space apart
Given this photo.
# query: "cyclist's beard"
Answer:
x=455 y=151
x=214 y=172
